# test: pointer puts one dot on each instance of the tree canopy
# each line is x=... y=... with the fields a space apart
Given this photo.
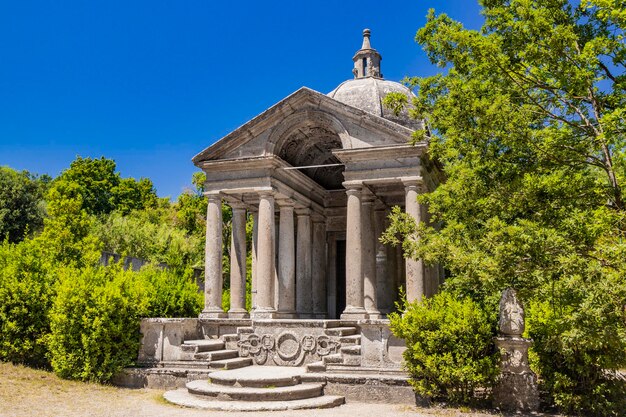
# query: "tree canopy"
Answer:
x=528 y=124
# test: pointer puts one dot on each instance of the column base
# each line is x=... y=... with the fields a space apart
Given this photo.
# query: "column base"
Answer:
x=354 y=313
x=238 y=313
x=374 y=314
x=213 y=313
x=286 y=315
x=261 y=313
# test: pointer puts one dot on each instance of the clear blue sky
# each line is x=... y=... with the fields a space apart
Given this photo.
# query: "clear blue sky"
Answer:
x=150 y=83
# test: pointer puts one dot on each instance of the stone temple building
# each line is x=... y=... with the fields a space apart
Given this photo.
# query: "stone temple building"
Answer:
x=319 y=174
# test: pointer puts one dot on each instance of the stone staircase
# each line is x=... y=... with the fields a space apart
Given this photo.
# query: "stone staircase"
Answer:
x=349 y=354
x=212 y=354
x=254 y=388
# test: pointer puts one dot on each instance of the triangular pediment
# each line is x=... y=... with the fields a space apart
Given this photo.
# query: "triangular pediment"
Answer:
x=258 y=136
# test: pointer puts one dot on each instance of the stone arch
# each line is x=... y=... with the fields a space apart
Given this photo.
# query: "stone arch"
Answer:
x=307 y=138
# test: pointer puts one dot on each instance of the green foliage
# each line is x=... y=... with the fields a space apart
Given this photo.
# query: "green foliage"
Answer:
x=580 y=337
x=150 y=234
x=170 y=293
x=131 y=195
x=26 y=294
x=528 y=124
x=101 y=188
x=21 y=205
x=94 y=322
x=66 y=237
x=450 y=352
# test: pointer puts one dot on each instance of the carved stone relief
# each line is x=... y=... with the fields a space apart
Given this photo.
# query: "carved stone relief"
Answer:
x=286 y=349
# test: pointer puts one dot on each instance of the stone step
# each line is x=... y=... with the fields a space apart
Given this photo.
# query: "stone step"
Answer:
x=245 y=330
x=351 y=350
x=316 y=367
x=354 y=339
x=217 y=355
x=230 y=337
x=334 y=358
x=330 y=324
x=259 y=376
x=341 y=331
x=184 y=364
x=228 y=364
x=184 y=398
x=203 y=345
x=269 y=393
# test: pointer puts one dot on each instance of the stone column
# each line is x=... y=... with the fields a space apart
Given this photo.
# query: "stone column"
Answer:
x=318 y=271
x=238 y=263
x=354 y=271
x=304 y=302
x=286 y=263
x=385 y=280
x=368 y=250
x=255 y=236
x=213 y=260
x=265 y=258
x=415 y=276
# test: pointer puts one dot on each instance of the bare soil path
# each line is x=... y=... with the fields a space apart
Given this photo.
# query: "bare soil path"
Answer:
x=25 y=392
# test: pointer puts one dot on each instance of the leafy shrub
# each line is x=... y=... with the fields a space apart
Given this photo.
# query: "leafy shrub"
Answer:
x=574 y=352
x=94 y=322
x=170 y=294
x=26 y=294
x=450 y=351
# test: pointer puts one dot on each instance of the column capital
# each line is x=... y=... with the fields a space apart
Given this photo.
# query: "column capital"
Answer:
x=214 y=197
x=318 y=218
x=353 y=186
x=237 y=205
x=303 y=211
x=414 y=184
x=285 y=203
x=267 y=192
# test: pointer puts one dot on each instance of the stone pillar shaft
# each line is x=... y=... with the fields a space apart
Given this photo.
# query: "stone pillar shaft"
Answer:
x=354 y=268
x=385 y=278
x=265 y=258
x=213 y=260
x=253 y=254
x=238 y=264
x=415 y=274
x=287 y=264
x=304 y=304
x=318 y=273
x=368 y=248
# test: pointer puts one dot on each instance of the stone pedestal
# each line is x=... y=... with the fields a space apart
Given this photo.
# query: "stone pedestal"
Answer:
x=516 y=388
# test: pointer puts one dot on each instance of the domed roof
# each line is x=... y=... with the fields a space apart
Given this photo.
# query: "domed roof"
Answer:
x=367 y=94
x=368 y=88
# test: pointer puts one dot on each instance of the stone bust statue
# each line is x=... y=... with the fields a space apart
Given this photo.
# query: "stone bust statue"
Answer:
x=511 y=314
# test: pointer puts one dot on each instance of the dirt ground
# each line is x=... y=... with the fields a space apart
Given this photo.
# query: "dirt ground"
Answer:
x=26 y=392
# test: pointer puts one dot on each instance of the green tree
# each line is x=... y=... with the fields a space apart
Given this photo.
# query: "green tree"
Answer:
x=21 y=204
x=131 y=195
x=528 y=125
x=95 y=180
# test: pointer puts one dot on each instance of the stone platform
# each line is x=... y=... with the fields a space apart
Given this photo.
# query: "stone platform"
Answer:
x=356 y=359
x=255 y=388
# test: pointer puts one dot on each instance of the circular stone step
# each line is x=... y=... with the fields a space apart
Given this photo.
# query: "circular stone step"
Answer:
x=259 y=376
x=183 y=397
x=232 y=393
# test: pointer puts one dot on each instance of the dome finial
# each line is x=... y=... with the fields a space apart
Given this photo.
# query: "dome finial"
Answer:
x=366 y=39
x=367 y=60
